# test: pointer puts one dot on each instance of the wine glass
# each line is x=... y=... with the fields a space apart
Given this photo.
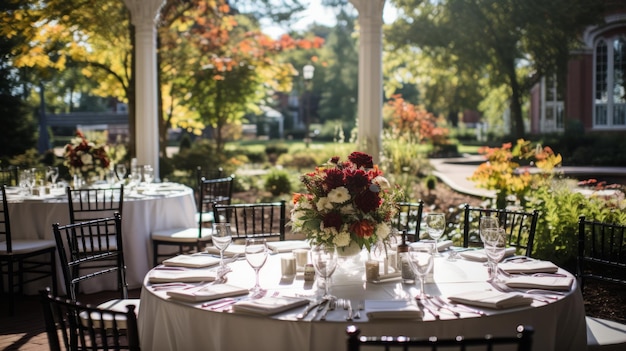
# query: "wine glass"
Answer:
x=148 y=174
x=120 y=169
x=256 y=255
x=324 y=260
x=221 y=238
x=495 y=248
x=53 y=174
x=421 y=259
x=435 y=225
x=487 y=222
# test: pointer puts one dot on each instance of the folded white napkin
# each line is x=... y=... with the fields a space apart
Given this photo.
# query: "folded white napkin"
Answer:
x=269 y=305
x=491 y=299
x=179 y=274
x=481 y=256
x=392 y=309
x=530 y=266
x=207 y=292
x=542 y=282
x=287 y=245
x=191 y=261
x=231 y=250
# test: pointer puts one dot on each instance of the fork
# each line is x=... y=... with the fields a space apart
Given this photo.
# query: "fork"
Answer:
x=331 y=307
x=359 y=308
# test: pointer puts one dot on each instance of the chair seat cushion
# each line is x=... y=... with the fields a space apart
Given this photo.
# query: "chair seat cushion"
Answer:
x=118 y=305
x=27 y=246
x=207 y=217
x=186 y=235
x=604 y=334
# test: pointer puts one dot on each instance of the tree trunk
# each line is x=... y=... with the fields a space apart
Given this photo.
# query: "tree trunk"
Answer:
x=515 y=105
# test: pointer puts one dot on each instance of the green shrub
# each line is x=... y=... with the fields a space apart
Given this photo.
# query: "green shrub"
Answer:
x=278 y=182
x=298 y=161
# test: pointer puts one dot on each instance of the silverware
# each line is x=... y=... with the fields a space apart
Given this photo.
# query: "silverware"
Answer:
x=359 y=308
x=349 y=306
x=441 y=305
x=330 y=307
x=320 y=308
x=461 y=308
x=309 y=308
x=423 y=306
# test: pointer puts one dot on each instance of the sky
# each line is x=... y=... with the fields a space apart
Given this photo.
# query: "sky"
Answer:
x=316 y=13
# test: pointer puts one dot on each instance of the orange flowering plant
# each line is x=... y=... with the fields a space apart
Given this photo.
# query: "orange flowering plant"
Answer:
x=349 y=204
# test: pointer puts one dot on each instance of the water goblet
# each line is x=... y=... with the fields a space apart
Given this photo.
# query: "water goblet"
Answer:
x=148 y=174
x=53 y=174
x=495 y=248
x=487 y=222
x=221 y=238
x=421 y=259
x=435 y=225
x=256 y=255
x=324 y=260
x=120 y=169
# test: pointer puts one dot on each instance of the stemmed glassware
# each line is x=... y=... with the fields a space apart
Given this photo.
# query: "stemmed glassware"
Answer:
x=120 y=169
x=324 y=260
x=256 y=255
x=486 y=223
x=221 y=238
x=421 y=259
x=435 y=225
x=53 y=174
x=148 y=174
x=495 y=247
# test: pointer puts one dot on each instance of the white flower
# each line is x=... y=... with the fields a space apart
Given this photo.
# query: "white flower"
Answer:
x=86 y=159
x=324 y=204
x=339 y=195
x=382 y=182
x=342 y=239
x=382 y=231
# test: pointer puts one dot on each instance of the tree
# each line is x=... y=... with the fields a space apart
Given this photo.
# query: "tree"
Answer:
x=497 y=37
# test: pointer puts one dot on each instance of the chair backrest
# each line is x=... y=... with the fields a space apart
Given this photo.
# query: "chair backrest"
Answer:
x=519 y=225
x=73 y=326
x=213 y=191
x=88 y=204
x=90 y=249
x=522 y=338
x=5 y=223
x=409 y=219
x=10 y=176
x=266 y=220
x=601 y=252
x=206 y=173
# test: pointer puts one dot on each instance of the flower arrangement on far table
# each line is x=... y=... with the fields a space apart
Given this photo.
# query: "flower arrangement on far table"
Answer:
x=85 y=158
x=349 y=204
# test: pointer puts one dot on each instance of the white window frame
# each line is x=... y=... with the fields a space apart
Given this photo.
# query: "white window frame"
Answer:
x=610 y=104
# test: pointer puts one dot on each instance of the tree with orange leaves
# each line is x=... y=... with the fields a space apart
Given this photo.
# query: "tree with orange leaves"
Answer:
x=230 y=66
x=414 y=122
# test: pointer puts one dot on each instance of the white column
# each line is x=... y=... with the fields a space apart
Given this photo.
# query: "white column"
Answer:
x=370 y=106
x=143 y=16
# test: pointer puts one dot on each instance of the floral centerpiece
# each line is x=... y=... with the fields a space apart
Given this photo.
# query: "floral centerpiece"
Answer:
x=349 y=204
x=84 y=158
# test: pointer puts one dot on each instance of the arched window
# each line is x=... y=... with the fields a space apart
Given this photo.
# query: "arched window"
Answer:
x=610 y=83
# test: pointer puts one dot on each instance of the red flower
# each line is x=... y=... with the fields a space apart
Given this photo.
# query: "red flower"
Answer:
x=356 y=179
x=334 y=178
x=367 y=201
x=361 y=160
x=333 y=220
x=363 y=228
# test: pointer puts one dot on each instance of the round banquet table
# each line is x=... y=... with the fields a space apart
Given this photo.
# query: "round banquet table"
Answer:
x=167 y=324
x=173 y=207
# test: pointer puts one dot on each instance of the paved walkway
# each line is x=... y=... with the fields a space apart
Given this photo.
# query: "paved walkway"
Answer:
x=456 y=171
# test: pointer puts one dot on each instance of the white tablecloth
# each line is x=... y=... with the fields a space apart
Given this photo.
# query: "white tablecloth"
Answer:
x=33 y=219
x=172 y=325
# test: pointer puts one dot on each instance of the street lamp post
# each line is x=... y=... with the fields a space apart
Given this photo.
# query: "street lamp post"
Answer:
x=307 y=74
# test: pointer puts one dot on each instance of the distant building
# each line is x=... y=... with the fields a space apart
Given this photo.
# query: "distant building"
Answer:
x=595 y=98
